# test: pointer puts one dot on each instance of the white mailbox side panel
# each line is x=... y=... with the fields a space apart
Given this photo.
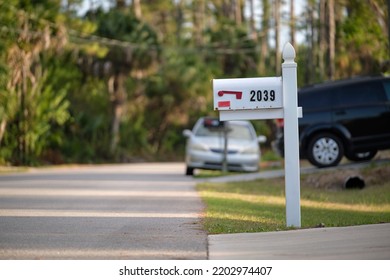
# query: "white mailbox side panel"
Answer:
x=247 y=93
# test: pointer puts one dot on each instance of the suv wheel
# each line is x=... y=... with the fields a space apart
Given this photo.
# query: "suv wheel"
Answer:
x=324 y=150
x=361 y=156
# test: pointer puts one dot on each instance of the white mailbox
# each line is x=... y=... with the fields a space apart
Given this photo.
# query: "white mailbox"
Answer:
x=247 y=93
x=269 y=98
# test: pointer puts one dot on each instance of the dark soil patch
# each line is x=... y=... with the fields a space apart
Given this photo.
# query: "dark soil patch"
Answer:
x=336 y=179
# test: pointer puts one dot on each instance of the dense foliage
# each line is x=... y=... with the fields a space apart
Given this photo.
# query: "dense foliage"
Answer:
x=121 y=81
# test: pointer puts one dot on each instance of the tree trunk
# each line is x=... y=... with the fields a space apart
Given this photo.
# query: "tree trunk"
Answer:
x=137 y=9
x=199 y=21
x=322 y=40
x=264 y=36
x=3 y=125
x=313 y=28
x=380 y=15
x=292 y=23
x=116 y=87
x=278 y=57
x=252 y=25
x=381 y=18
x=238 y=12
x=311 y=46
x=388 y=25
x=332 y=41
x=23 y=116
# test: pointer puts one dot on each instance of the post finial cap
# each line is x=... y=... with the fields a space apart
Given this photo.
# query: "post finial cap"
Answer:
x=288 y=52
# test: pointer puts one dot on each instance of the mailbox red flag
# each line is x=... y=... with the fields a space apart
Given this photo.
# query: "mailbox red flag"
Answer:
x=224 y=104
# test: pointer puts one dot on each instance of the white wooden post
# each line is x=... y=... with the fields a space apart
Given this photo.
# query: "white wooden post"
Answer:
x=269 y=98
x=291 y=141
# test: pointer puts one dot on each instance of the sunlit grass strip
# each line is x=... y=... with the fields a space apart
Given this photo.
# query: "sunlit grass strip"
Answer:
x=277 y=200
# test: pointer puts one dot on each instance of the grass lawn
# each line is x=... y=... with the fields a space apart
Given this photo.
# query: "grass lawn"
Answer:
x=260 y=205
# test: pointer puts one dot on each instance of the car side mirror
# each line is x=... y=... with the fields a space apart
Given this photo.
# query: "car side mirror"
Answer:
x=261 y=139
x=187 y=133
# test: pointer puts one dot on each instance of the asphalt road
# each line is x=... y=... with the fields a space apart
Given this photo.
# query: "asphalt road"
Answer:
x=138 y=211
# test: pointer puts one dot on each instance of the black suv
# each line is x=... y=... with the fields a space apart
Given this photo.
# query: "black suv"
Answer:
x=348 y=117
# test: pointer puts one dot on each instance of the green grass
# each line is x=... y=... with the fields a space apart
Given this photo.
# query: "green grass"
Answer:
x=260 y=205
x=203 y=174
x=270 y=155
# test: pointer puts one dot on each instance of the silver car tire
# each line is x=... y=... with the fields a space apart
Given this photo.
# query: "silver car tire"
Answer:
x=189 y=171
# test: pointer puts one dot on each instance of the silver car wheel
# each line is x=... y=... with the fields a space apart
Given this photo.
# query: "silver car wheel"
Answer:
x=326 y=151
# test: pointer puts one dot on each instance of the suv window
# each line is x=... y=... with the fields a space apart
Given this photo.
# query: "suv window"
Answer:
x=360 y=94
x=312 y=100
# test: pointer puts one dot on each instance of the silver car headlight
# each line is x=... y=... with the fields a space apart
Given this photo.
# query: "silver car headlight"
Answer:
x=198 y=147
x=249 y=151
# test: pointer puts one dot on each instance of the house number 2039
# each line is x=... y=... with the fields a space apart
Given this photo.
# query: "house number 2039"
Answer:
x=262 y=95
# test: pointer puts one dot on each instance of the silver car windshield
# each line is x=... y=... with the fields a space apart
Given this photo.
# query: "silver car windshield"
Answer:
x=235 y=132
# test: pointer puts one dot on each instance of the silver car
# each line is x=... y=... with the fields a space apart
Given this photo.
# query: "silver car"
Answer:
x=205 y=147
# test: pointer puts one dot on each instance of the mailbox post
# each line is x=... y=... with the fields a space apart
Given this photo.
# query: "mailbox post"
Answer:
x=269 y=98
x=291 y=137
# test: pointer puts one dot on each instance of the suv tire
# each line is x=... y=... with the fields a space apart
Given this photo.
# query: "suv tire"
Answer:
x=325 y=149
x=365 y=156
